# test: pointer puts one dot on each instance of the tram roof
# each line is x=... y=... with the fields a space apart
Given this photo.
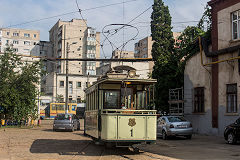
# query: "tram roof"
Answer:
x=108 y=80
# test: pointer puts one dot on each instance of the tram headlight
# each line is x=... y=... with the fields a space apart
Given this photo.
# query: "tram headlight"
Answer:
x=132 y=74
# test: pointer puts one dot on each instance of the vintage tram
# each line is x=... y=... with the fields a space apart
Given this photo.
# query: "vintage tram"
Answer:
x=119 y=110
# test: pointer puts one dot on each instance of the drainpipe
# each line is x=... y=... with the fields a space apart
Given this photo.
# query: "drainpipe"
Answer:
x=209 y=54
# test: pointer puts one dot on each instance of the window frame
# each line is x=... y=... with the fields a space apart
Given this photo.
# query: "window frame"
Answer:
x=27 y=43
x=199 y=100
x=228 y=93
x=15 y=42
x=27 y=35
x=237 y=21
x=61 y=82
x=118 y=105
x=15 y=34
x=78 y=85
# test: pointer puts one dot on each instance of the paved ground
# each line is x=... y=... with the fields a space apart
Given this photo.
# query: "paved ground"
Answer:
x=42 y=143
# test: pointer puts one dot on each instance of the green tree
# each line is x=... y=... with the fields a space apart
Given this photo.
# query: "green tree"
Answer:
x=18 y=86
x=166 y=63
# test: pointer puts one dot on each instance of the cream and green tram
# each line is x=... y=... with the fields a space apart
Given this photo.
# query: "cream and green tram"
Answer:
x=120 y=111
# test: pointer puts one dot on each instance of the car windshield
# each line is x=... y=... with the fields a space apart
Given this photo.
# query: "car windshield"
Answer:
x=63 y=117
x=176 y=119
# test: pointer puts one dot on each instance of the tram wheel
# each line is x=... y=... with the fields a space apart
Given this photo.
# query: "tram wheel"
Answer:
x=109 y=145
x=136 y=150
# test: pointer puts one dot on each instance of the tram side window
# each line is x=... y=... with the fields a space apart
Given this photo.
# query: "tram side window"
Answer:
x=112 y=100
x=53 y=107
x=60 y=107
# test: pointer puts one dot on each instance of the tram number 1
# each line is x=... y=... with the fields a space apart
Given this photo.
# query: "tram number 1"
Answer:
x=131 y=132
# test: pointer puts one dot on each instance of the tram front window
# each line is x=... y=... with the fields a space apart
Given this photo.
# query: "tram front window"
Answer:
x=111 y=100
x=141 y=100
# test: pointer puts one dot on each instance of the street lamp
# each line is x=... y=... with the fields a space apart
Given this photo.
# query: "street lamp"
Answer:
x=68 y=49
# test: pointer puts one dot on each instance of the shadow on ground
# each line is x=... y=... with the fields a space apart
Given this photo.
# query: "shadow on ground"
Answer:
x=75 y=147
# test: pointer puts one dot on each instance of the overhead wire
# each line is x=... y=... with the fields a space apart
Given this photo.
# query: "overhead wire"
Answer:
x=109 y=5
x=67 y=13
x=80 y=12
x=120 y=28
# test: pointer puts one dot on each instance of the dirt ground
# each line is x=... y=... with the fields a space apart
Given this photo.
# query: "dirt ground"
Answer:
x=41 y=143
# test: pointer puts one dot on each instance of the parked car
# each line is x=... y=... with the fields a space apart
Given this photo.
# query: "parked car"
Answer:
x=66 y=121
x=232 y=132
x=174 y=126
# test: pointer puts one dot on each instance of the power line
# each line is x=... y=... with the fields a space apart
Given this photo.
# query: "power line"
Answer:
x=36 y=20
x=80 y=12
x=109 y=5
x=67 y=13
x=118 y=29
x=104 y=60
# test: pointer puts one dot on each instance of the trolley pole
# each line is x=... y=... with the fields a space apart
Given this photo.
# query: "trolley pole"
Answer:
x=66 y=100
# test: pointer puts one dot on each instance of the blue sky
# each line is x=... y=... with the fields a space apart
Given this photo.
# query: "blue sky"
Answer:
x=17 y=11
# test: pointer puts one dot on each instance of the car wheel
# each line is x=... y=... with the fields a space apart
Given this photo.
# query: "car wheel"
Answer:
x=164 y=135
x=231 y=139
x=72 y=130
x=189 y=136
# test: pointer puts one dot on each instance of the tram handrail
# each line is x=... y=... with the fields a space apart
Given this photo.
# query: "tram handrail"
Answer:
x=127 y=111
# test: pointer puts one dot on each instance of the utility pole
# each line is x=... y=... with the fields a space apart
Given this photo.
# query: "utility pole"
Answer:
x=66 y=100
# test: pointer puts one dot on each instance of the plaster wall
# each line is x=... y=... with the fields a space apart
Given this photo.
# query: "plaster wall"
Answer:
x=228 y=74
x=225 y=27
x=77 y=92
x=195 y=75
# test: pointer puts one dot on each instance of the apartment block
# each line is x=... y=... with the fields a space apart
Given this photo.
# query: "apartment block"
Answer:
x=24 y=42
x=122 y=54
x=143 y=48
x=79 y=41
x=71 y=39
x=55 y=86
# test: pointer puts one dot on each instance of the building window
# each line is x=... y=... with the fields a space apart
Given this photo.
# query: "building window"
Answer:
x=78 y=84
x=26 y=35
x=78 y=100
x=236 y=25
x=231 y=98
x=8 y=33
x=15 y=42
x=7 y=41
x=199 y=100
x=15 y=49
x=70 y=100
x=70 y=87
x=26 y=50
x=34 y=35
x=26 y=42
x=61 y=83
x=15 y=34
